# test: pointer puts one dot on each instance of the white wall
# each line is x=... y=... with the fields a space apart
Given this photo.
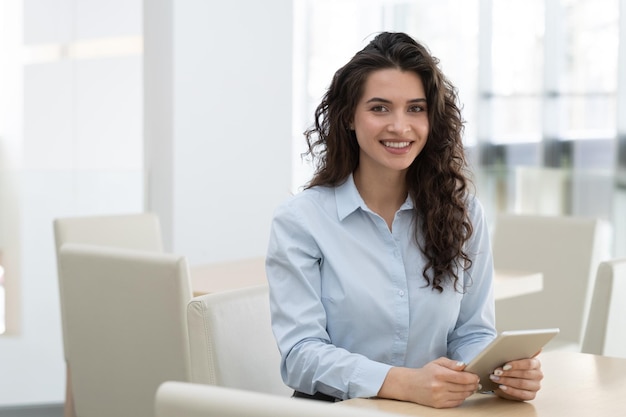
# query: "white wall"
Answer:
x=80 y=152
x=224 y=145
x=217 y=142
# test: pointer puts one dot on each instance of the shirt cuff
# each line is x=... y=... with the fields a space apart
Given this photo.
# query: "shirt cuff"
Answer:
x=368 y=379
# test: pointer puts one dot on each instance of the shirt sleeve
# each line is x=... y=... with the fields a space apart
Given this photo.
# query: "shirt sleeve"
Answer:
x=475 y=326
x=309 y=361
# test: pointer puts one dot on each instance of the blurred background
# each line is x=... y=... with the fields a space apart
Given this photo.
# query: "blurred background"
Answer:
x=195 y=109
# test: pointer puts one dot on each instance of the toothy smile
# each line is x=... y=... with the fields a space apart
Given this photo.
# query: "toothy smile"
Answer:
x=396 y=144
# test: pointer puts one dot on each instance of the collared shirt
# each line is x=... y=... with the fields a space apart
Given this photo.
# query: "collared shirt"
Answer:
x=348 y=299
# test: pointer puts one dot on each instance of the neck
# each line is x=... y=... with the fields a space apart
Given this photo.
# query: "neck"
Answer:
x=383 y=194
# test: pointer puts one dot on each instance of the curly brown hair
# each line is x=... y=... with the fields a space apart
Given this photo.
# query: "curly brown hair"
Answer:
x=436 y=179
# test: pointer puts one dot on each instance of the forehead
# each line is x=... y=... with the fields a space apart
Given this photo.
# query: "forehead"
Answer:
x=391 y=82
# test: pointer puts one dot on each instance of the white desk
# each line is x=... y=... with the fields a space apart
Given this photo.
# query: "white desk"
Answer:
x=575 y=384
x=508 y=283
x=223 y=276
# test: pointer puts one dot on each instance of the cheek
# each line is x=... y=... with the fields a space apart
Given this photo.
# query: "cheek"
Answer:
x=361 y=140
x=366 y=128
x=423 y=127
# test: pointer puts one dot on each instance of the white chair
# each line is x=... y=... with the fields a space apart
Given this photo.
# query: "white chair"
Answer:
x=567 y=250
x=177 y=399
x=125 y=326
x=141 y=231
x=231 y=341
x=605 y=333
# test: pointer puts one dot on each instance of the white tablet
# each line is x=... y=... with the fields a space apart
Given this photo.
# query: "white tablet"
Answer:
x=506 y=347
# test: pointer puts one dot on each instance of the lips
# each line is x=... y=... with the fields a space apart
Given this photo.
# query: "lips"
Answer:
x=397 y=145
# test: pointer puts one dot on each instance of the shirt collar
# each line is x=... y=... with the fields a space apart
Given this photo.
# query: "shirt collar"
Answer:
x=349 y=200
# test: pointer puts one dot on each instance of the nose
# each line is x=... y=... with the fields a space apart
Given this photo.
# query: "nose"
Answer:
x=399 y=124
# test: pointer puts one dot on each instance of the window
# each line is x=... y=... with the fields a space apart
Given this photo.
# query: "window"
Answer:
x=540 y=71
x=517 y=68
x=590 y=72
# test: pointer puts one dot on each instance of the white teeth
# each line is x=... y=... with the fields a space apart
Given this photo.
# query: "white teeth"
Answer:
x=396 y=144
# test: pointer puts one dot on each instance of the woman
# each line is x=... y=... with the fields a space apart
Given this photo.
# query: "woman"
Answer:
x=380 y=271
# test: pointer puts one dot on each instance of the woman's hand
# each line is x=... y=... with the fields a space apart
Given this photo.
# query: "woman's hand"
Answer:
x=518 y=380
x=439 y=384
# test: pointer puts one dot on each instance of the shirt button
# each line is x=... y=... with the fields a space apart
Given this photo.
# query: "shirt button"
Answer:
x=401 y=293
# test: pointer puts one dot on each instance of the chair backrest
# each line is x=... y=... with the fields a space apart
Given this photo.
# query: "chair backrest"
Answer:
x=567 y=250
x=231 y=341
x=603 y=334
x=178 y=399
x=125 y=321
x=140 y=231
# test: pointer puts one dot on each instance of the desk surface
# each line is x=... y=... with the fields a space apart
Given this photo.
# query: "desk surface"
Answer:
x=223 y=276
x=574 y=384
x=509 y=283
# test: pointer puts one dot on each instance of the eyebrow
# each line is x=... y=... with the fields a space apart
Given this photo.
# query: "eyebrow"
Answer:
x=384 y=100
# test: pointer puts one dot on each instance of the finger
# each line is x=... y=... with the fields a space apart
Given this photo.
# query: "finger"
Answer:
x=450 y=364
x=513 y=393
x=526 y=380
x=531 y=383
x=522 y=364
x=452 y=373
x=468 y=388
x=520 y=379
x=456 y=392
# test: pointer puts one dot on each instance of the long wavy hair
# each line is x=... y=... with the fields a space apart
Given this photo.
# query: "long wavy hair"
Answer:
x=436 y=179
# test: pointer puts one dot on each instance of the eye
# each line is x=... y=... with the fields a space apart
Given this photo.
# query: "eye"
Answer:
x=379 y=108
x=416 y=109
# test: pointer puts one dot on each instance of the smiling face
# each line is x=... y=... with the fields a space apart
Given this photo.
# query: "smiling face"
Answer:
x=391 y=121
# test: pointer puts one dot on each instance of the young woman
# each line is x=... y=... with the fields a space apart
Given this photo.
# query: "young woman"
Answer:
x=380 y=271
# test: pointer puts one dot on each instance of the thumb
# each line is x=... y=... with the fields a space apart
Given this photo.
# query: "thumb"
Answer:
x=450 y=364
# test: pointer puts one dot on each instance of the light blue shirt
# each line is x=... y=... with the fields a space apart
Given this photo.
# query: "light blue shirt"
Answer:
x=348 y=299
